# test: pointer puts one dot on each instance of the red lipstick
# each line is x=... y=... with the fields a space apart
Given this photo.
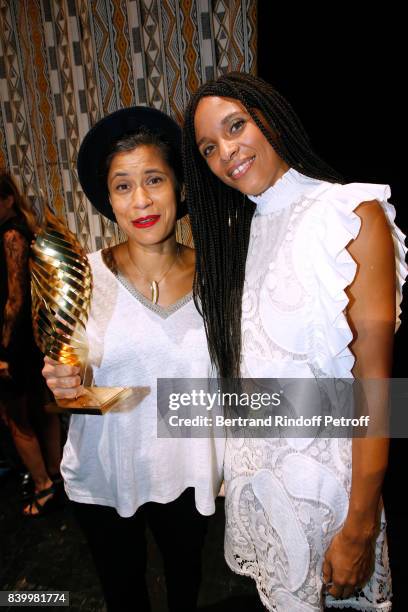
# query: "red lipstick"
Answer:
x=143 y=222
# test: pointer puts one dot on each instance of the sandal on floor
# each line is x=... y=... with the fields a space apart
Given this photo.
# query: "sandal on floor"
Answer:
x=26 y=487
x=53 y=503
x=58 y=482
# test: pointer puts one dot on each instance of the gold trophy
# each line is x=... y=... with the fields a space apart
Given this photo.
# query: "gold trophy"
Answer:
x=61 y=288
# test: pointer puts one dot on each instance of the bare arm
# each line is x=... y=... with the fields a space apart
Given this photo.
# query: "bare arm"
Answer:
x=371 y=315
x=16 y=252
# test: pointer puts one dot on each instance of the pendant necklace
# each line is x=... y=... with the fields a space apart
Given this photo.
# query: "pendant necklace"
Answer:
x=154 y=284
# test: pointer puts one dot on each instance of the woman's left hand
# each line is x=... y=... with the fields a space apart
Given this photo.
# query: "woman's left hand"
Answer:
x=348 y=563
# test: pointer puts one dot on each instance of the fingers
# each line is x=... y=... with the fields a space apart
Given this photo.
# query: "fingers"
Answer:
x=348 y=591
x=341 y=587
x=63 y=380
x=347 y=565
x=340 y=591
x=328 y=584
x=53 y=369
x=49 y=360
x=71 y=393
x=65 y=387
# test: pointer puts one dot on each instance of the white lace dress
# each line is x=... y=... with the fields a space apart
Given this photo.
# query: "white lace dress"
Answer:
x=287 y=498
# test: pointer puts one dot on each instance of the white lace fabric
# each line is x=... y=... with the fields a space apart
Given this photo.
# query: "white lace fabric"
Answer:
x=286 y=498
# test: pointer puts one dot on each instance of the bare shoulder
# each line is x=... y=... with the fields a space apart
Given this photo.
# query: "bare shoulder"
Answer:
x=375 y=233
x=370 y=211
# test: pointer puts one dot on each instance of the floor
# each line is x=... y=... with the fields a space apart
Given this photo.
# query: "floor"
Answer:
x=50 y=553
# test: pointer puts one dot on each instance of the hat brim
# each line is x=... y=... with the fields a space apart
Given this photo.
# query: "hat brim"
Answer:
x=98 y=142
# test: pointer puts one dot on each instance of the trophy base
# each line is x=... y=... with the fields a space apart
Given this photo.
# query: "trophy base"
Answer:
x=95 y=400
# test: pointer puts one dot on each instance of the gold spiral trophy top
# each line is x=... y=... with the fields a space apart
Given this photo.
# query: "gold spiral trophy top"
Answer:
x=61 y=288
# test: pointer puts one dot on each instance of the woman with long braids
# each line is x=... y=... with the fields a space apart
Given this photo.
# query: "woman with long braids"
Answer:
x=296 y=275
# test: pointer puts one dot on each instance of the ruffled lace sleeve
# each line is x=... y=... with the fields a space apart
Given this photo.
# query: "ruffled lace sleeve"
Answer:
x=335 y=224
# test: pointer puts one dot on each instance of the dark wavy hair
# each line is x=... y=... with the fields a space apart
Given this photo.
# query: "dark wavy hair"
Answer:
x=22 y=207
x=221 y=216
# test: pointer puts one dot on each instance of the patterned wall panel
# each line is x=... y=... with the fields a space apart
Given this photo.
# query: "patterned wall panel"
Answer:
x=64 y=64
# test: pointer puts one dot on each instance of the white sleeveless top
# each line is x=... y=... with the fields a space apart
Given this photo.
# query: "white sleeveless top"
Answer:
x=117 y=459
x=286 y=498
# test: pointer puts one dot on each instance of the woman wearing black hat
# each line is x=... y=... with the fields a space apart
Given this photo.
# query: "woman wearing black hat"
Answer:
x=143 y=325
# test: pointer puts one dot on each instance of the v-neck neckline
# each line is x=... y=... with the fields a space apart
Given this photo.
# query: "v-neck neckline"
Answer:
x=162 y=311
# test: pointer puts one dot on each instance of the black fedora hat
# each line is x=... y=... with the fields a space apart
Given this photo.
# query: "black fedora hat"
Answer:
x=98 y=143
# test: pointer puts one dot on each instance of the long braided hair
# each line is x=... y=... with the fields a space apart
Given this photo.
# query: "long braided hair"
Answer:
x=221 y=216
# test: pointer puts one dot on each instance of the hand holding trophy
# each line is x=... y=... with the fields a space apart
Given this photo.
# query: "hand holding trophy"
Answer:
x=61 y=289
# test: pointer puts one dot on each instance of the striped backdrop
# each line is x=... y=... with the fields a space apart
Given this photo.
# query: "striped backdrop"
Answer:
x=64 y=64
